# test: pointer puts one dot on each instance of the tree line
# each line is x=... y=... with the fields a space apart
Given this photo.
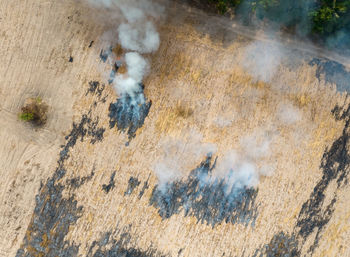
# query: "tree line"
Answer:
x=328 y=20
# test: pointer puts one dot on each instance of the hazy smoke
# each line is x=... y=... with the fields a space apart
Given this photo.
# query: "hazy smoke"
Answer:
x=240 y=168
x=238 y=171
x=243 y=168
x=141 y=37
x=136 y=33
x=262 y=60
x=174 y=160
x=288 y=114
x=106 y=3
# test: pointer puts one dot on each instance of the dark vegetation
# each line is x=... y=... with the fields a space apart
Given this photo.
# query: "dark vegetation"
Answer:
x=34 y=111
x=327 y=20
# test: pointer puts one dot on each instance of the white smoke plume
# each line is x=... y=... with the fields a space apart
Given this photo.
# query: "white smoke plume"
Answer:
x=240 y=168
x=140 y=37
x=129 y=83
x=243 y=168
x=238 y=171
x=174 y=160
x=137 y=33
x=262 y=60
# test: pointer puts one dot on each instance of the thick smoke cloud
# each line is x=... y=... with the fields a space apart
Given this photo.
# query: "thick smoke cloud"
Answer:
x=137 y=33
x=142 y=38
x=129 y=83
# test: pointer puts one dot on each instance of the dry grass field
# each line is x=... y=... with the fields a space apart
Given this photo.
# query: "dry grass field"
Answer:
x=76 y=187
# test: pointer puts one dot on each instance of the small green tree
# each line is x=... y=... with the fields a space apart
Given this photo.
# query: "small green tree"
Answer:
x=34 y=110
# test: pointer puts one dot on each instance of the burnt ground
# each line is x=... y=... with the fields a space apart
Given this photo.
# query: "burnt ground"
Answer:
x=144 y=187
x=333 y=72
x=210 y=202
x=109 y=247
x=280 y=245
x=315 y=213
x=129 y=113
x=133 y=183
x=108 y=187
x=53 y=214
x=95 y=88
x=104 y=54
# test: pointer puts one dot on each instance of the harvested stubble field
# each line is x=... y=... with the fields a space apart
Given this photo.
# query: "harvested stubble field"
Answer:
x=77 y=187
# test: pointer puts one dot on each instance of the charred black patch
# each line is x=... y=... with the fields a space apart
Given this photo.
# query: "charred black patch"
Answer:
x=129 y=113
x=54 y=214
x=315 y=214
x=144 y=188
x=105 y=53
x=79 y=181
x=280 y=245
x=96 y=133
x=333 y=72
x=210 y=202
x=109 y=247
x=86 y=126
x=132 y=184
x=52 y=217
x=95 y=88
x=110 y=185
x=114 y=71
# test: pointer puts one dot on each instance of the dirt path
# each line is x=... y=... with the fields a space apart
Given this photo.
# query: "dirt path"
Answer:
x=214 y=21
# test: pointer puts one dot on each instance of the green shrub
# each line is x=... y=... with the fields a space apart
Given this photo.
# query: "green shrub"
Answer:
x=34 y=110
x=27 y=116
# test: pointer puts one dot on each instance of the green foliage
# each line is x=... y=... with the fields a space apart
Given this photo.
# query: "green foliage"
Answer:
x=26 y=116
x=34 y=111
x=223 y=5
x=331 y=16
x=328 y=19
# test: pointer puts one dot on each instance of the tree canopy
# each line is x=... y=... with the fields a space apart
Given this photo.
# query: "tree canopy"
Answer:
x=328 y=20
